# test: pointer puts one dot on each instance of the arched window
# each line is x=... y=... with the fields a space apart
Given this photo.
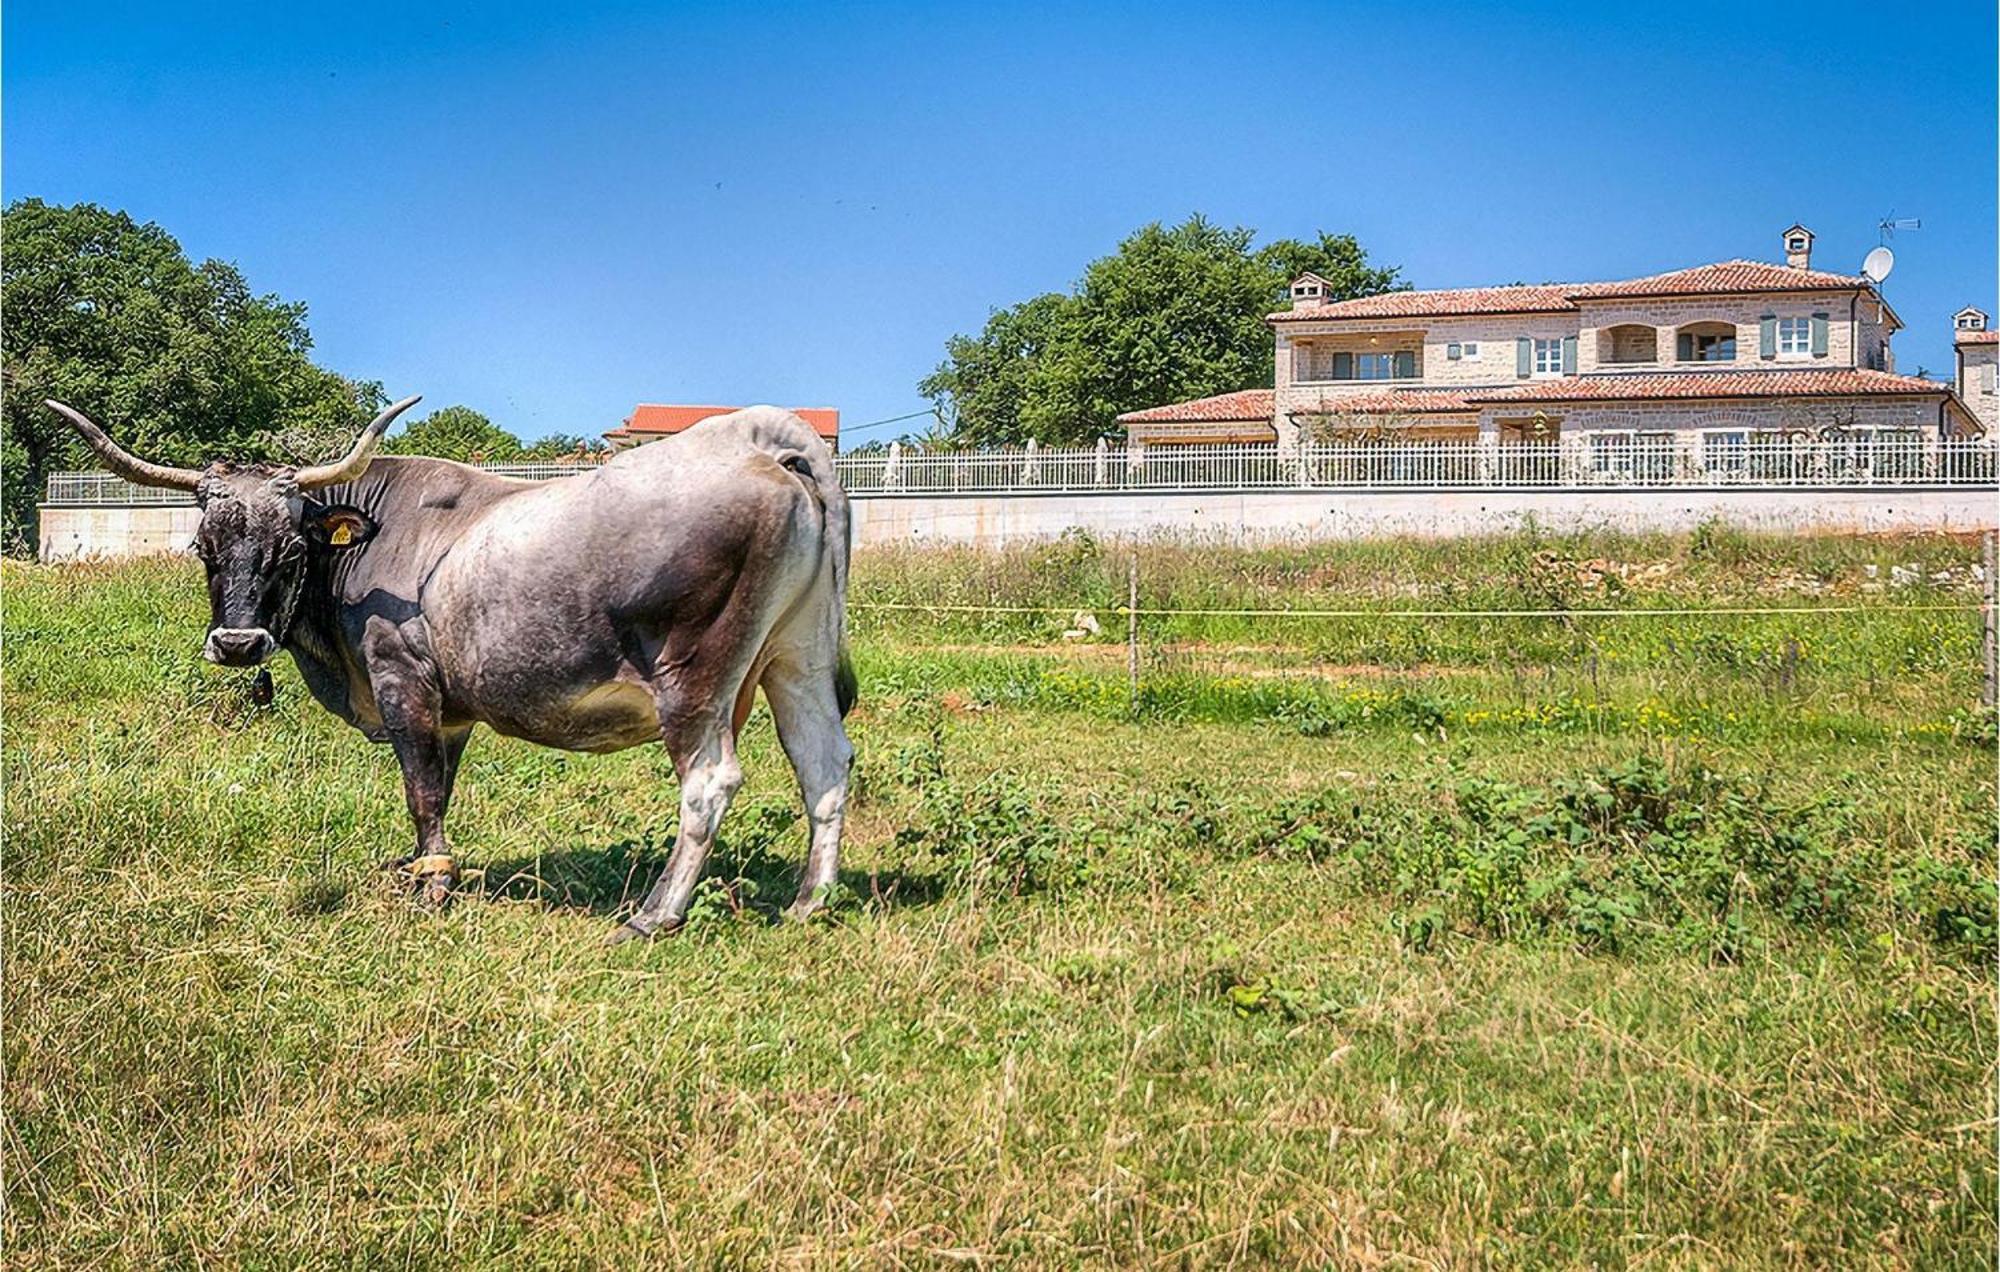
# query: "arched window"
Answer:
x=1705 y=342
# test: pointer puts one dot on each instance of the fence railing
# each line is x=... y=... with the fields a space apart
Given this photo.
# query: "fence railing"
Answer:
x=1600 y=461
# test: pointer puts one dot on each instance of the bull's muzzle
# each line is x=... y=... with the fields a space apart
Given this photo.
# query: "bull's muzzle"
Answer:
x=239 y=646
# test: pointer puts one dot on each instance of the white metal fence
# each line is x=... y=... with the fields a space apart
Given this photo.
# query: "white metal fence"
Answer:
x=1603 y=461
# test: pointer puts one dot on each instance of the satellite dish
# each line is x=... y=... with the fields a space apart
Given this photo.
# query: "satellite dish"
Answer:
x=1878 y=264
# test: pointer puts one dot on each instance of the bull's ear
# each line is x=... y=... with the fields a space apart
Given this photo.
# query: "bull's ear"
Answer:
x=338 y=526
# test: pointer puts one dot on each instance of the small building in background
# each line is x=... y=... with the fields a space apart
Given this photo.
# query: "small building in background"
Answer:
x=1978 y=349
x=649 y=422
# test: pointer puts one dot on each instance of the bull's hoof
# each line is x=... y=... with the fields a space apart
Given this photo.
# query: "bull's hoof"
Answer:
x=438 y=890
x=432 y=879
x=630 y=931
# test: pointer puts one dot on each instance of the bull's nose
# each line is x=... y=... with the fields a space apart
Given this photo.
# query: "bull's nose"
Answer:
x=238 y=646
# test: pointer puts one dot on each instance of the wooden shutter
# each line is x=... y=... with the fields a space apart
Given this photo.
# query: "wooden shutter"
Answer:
x=1343 y=366
x=1524 y=357
x=1569 y=355
x=1819 y=335
x=1406 y=365
x=1767 y=336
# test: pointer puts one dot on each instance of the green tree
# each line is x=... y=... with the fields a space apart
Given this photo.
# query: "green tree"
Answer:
x=560 y=446
x=457 y=432
x=180 y=362
x=1175 y=313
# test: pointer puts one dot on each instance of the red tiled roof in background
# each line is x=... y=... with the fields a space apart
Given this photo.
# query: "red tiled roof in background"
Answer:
x=1242 y=405
x=1977 y=337
x=1548 y=298
x=653 y=420
x=1837 y=382
x=1721 y=278
x=1400 y=401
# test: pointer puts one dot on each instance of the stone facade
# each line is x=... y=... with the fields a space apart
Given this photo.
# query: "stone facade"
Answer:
x=1978 y=350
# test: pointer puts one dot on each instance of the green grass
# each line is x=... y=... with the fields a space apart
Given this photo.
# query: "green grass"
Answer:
x=1511 y=942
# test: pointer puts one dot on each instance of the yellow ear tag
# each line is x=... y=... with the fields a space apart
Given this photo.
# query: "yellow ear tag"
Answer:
x=341 y=535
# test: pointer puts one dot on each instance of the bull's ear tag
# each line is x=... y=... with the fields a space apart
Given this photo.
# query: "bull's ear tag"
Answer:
x=340 y=526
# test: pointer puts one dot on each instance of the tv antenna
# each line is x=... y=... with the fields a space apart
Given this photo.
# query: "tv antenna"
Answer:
x=1889 y=224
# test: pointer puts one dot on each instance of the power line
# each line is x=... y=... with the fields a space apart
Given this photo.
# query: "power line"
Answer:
x=893 y=419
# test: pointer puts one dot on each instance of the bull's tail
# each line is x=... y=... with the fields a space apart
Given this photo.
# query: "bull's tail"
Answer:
x=795 y=445
x=846 y=688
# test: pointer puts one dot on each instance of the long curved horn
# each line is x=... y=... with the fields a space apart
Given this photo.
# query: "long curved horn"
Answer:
x=133 y=469
x=357 y=459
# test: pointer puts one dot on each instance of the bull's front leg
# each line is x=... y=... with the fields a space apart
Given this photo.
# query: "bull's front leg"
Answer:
x=406 y=695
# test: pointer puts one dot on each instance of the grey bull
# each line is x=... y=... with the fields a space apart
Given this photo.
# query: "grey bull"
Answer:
x=647 y=599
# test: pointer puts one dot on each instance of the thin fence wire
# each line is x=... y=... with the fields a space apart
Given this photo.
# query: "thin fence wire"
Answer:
x=1144 y=611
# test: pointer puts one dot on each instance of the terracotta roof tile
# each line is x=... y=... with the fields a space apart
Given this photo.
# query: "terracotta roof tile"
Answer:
x=1977 y=337
x=1540 y=298
x=1721 y=278
x=1398 y=401
x=656 y=420
x=1244 y=404
x=1833 y=382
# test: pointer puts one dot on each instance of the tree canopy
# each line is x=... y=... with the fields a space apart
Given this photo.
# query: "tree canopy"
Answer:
x=1175 y=313
x=461 y=433
x=456 y=432
x=178 y=361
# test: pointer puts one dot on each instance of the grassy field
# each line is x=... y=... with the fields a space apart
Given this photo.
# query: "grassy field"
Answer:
x=1452 y=942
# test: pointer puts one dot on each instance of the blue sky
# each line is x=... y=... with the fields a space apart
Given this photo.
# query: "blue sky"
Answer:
x=552 y=212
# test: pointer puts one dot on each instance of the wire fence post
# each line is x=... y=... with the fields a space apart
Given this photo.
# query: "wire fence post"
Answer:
x=1989 y=642
x=1132 y=636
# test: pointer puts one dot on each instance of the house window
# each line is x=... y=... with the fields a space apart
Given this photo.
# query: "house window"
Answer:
x=1986 y=377
x=1548 y=357
x=1469 y=350
x=1794 y=337
x=1374 y=366
x=1707 y=346
x=1796 y=243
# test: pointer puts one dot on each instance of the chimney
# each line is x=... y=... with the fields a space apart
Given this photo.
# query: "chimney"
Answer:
x=1798 y=247
x=1309 y=291
x=1969 y=319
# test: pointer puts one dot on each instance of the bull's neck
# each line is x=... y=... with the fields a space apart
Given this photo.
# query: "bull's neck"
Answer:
x=316 y=631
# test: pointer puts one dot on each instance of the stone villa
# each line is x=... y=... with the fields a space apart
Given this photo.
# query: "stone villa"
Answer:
x=1694 y=361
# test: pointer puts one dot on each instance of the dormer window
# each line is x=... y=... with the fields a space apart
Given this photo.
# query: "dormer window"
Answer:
x=1796 y=243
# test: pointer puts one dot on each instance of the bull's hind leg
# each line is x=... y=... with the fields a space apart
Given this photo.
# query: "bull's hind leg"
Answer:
x=704 y=754
x=806 y=707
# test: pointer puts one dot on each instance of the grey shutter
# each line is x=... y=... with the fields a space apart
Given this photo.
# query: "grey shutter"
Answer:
x=1524 y=357
x=1767 y=336
x=1684 y=347
x=1569 y=355
x=1343 y=366
x=1819 y=335
x=1451 y=351
x=1406 y=365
